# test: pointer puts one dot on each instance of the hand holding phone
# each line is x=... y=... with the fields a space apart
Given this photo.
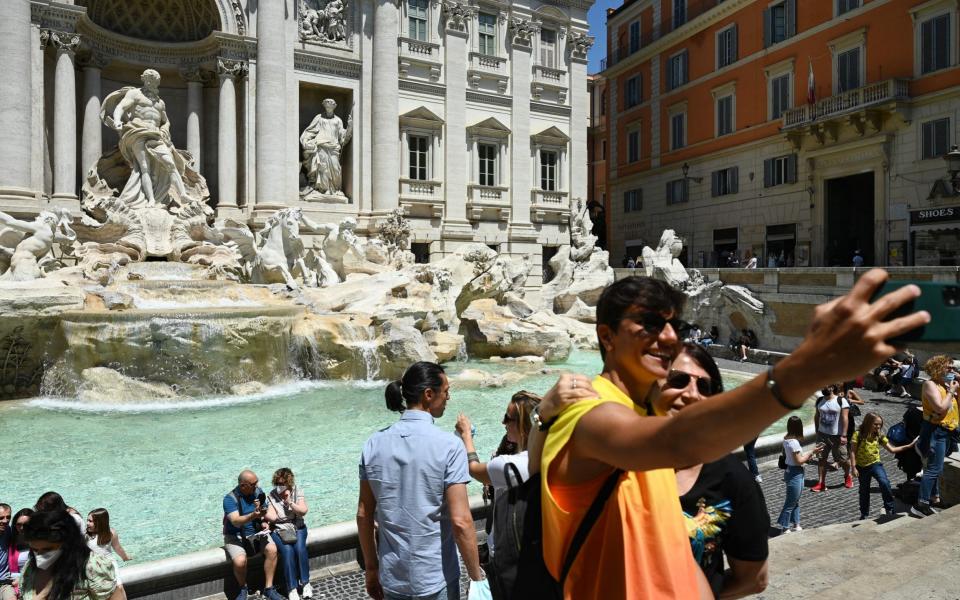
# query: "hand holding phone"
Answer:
x=941 y=300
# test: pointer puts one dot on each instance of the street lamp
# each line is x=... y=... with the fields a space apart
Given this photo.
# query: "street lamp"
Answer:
x=953 y=167
x=693 y=220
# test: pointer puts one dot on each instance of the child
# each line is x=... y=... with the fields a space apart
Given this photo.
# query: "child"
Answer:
x=866 y=461
x=794 y=459
x=103 y=539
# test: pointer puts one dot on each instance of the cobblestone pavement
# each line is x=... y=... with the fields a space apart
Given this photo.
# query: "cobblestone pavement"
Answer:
x=836 y=505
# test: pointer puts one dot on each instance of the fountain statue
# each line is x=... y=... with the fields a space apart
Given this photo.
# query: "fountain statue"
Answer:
x=663 y=263
x=25 y=246
x=322 y=141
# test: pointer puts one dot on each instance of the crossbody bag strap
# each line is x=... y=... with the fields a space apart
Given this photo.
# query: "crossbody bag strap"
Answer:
x=591 y=516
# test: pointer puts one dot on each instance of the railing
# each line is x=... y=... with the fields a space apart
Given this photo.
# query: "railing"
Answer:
x=874 y=93
x=419 y=49
x=550 y=76
x=485 y=62
x=417 y=187
x=550 y=199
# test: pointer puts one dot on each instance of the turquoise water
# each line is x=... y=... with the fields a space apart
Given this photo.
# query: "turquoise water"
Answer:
x=162 y=469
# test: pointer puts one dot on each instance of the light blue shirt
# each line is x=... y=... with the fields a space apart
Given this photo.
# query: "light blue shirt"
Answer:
x=409 y=466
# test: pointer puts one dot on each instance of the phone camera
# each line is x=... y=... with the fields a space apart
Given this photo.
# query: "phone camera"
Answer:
x=951 y=295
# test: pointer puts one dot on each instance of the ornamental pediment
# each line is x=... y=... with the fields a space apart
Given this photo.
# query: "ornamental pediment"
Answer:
x=489 y=127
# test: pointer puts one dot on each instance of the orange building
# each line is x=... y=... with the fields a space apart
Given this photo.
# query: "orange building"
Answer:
x=797 y=132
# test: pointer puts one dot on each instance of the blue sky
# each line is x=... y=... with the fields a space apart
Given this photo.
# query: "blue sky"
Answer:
x=598 y=28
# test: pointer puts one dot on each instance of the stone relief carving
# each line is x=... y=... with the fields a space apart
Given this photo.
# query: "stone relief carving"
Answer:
x=323 y=21
x=26 y=246
x=580 y=43
x=241 y=18
x=322 y=142
x=458 y=14
x=523 y=30
x=66 y=42
x=231 y=68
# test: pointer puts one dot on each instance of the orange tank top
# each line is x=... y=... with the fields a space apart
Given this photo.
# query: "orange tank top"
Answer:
x=638 y=548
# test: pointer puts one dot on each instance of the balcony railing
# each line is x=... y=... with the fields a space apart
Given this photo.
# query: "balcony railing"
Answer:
x=489 y=198
x=426 y=193
x=544 y=202
x=847 y=102
x=419 y=49
x=492 y=68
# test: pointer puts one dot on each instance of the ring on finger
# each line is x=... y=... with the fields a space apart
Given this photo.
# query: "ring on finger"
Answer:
x=573 y=384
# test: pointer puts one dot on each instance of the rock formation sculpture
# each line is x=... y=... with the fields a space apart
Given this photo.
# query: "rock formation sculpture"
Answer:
x=322 y=142
x=663 y=263
x=325 y=23
x=26 y=246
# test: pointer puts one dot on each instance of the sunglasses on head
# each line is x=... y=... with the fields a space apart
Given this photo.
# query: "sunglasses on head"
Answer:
x=653 y=323
x=679 y=380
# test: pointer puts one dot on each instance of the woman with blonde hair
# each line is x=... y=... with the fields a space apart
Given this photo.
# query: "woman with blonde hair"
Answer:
x=940 y=420
x=290 y=533
x=865 y=459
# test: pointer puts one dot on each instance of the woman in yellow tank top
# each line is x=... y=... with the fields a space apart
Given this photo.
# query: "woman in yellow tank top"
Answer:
x=939 y=430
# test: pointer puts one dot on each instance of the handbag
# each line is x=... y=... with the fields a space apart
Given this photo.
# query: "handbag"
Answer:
x=287 y=536
x=782 y=460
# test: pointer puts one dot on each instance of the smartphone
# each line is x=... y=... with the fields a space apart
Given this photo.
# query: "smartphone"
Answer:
x=941 y=300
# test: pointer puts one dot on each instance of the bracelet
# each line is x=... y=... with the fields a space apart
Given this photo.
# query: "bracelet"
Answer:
x=472 y=457
x=775 y=391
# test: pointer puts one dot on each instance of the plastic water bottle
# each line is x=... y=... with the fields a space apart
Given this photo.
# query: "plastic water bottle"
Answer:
x=473 y=431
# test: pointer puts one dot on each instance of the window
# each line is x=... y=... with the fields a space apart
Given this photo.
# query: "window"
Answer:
x=634 y=36
x=727 y=47
x=779 y=95
x=676 y=191
x=936 y=138
x=487 y=34
x=779 y=22
x=548 y=170
x=421 y=252
x=633 y=146
x=846 y=6
x=780 y=170
x=632 y=201
x=725 y=123
x=724 y=181
x=417 y=15
x=678 y=134
x=679 y=13
x=677 y=70
x=488 y=163
x=848 y=70
x=419 y=152
x=935 y=43
x=631 y=93
x=548 y=48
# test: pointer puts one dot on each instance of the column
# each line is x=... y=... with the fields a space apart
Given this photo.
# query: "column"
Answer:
x=16 y=42
x=228 y=71
x=385 y=163
x=521 y=36
x=195 y=81
x=457 y=18
x=65 y=117
x=271 y=125
x=579 y=44
x=91 y=137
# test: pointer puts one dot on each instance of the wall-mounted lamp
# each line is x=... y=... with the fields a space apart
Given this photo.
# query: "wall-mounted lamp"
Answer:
x=953 y=167
x=686 y=169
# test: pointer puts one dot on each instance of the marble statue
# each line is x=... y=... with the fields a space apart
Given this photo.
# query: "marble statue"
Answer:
x=326 y=24
x=322 y=142
x=663 y=262
x=26 y=245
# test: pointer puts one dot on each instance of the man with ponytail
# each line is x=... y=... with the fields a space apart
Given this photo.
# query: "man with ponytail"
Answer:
x=413 y=484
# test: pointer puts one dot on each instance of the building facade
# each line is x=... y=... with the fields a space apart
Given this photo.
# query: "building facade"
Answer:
x=471 y=116
x=797 y=132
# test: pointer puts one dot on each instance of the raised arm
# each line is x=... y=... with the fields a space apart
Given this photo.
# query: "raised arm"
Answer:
x=478 y=470
x=24 y=226
x=896 y=449
x=300 y=507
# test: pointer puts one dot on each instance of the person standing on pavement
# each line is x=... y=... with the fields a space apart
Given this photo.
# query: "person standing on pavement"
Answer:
x=795 y=458
x=413 y=485
x=866 y=462
x=938 y=431
x=830 y=419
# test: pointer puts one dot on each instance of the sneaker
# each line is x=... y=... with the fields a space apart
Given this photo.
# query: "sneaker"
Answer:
x=307 y=590
x=796 y=528
x=293 y=594
x=848 y=482
x=890 y=513
x=244 y=592
x=921 y=510
x=784 y=530
x=819 y=487
x=758 y=479
x=864 y=516
x=271 y=593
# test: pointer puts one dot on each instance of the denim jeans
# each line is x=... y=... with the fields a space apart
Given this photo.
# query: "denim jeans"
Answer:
x=452 y=592
x=294 y=560
x=790 y=514
x=877 y=472
x=930 y=484
x=748 y=449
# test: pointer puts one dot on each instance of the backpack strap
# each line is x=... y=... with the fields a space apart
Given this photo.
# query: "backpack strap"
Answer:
x=591 y=516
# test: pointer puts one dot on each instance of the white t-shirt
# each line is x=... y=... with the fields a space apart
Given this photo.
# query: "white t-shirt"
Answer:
x=791 y=446
x=830 y=409
x=499 y=481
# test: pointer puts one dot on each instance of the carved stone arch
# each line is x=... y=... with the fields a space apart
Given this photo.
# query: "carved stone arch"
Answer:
x=229 y=19
x=552 y=15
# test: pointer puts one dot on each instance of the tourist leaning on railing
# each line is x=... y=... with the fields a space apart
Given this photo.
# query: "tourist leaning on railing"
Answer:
x=636 y=327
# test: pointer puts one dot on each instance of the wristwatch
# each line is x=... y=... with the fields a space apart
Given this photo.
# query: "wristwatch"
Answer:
x=537 y=422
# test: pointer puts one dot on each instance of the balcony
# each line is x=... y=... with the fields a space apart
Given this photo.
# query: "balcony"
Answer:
x=544 y=203
x=422 y=193
x=419 y=59
x=549 y=84
x=489 y=199
x=862 y=108
x=484 y=67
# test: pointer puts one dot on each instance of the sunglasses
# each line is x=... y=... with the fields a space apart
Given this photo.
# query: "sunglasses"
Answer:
x=679 y=380
x=653 y=323
x=508 y=419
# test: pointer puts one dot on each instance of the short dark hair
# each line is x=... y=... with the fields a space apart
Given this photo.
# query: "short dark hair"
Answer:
x=795 y=427
x=59 y=527
x=700 y=355
x=4 y=505
x=620 y=296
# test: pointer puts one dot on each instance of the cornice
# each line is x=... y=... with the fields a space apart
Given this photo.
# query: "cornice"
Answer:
x=422 y=88
x=61 y=17
x=489 y=99
x=312 y=62
x=549 y=109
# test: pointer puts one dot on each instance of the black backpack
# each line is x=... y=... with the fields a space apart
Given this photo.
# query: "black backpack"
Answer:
x=517 y=567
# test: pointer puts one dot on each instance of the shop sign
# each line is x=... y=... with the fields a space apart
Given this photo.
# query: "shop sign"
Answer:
x=934 y=215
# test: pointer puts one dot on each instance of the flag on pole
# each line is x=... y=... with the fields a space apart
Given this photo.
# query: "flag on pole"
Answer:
x=811 y=85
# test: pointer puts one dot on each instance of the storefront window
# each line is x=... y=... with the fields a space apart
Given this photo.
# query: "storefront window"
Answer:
x=935 y=236
x=781 y=245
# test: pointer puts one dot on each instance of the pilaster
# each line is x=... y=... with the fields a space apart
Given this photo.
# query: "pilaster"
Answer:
x=16 y=44
x=385 y=162
x=65 y=119
x=91 y=136
x=271 y=114
x=195 y=79
x=521 y=35
x=228 y=71
x=579 y=44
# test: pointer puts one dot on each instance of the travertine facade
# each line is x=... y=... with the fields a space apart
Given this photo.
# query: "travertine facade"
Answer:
x=470 y=115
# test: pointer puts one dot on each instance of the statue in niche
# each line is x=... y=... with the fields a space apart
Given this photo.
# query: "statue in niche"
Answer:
x=322 y=142
x=323 y=22
x=25 y=246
